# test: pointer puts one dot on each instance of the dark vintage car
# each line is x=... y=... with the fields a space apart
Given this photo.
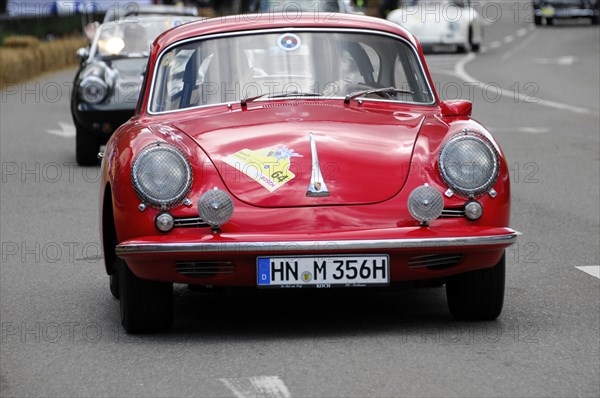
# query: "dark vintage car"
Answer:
x=134 y=10
x=276 y=154
x=550 y=10
x=107 y=84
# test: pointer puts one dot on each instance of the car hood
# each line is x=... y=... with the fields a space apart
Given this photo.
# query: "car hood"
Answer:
x=264 y=154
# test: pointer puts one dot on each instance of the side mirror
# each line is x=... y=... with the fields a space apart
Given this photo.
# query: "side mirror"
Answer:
x=456 y=108
x=83 y=53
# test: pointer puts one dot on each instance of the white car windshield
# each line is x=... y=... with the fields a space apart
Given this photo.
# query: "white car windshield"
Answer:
x=325 y=64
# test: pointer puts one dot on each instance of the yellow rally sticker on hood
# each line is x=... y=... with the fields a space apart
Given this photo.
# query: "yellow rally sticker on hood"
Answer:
x=269 y=167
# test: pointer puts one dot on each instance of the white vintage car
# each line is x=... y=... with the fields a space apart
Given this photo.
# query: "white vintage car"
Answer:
x=441 y=24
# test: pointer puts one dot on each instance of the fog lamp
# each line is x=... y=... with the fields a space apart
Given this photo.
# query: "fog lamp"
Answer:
x=215 y=207
x=473 y=210
x=425 y=203
x=164 y=222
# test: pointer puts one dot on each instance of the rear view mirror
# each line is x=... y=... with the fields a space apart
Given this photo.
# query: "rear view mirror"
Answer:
x=82 y=54
x=456 y=108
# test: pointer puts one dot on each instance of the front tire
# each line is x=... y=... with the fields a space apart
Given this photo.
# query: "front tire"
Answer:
x=477 y=295
x=537 y=20
x=146 y=306
x=86 y=147
x=475 y=47
x=114 y=285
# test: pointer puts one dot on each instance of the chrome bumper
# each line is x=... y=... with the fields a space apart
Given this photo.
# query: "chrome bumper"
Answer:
x=133 y=248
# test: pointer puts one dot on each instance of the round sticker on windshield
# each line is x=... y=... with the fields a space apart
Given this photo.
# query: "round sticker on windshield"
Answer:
x=289 y=42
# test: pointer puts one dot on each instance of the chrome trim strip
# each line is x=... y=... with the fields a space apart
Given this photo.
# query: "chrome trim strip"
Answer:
x=285 y=29
x=308 y=246
x=317 y=185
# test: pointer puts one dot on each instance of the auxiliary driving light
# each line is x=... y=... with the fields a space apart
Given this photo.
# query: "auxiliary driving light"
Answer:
x=473 y=210
x=425 y=203
x=215 y=207
x=164 y=222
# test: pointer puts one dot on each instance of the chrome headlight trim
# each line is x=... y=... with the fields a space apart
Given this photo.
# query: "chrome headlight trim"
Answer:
x=476 y=174
x=93 y=89
x=175 y=170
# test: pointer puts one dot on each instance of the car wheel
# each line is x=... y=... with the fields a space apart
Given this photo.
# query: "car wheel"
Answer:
x=462 y=48
x=537 y=20
x=114 y=285
x=86 y=148
x=477 y=295
x=549 y=21
x=146 y=306
x=475 y=47
x=595 y=20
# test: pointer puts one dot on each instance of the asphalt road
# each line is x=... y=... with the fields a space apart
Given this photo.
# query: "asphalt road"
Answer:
x=60 y=331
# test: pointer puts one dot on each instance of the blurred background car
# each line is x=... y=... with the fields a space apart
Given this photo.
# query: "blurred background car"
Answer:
x=296 y=6
x=550 y=10
x=107 y=84
x=133 y=9
x=441 y=24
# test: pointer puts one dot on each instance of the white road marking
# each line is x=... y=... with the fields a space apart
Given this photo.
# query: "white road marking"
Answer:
x=593 y=270
x=495 y=44
x=519 y=46
x=566 y=60
x=258 y=386
x=522 y=32
x=529 y=130
x=459 y=70
x=509 y=39
x=533 y=130
x=67 y=130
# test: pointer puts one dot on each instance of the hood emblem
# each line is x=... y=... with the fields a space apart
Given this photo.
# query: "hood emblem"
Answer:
x=317 y=185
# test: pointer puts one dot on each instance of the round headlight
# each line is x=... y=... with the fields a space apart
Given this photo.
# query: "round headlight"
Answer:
x=215 y=207
x=161 y=175
x=469 y=164
x=93 y=89
x=425 y=203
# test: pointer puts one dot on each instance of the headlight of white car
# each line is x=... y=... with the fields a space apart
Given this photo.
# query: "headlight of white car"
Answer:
x=93 y=89
x=161 y=175
x=469 y=163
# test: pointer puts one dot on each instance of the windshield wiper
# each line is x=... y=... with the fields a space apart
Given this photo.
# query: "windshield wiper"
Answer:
x=245 y=101
x=385 y=90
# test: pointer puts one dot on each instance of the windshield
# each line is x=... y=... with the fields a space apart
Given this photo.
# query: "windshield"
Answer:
x=294 y=6
x=131 y=37
x=319 y=64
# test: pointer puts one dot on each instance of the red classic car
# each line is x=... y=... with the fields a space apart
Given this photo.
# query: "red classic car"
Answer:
x=277 y=154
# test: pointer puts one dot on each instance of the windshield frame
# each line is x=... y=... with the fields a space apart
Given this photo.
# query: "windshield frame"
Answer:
x=413 y=49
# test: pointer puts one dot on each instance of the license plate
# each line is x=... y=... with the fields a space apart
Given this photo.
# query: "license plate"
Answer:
x=323 y=272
